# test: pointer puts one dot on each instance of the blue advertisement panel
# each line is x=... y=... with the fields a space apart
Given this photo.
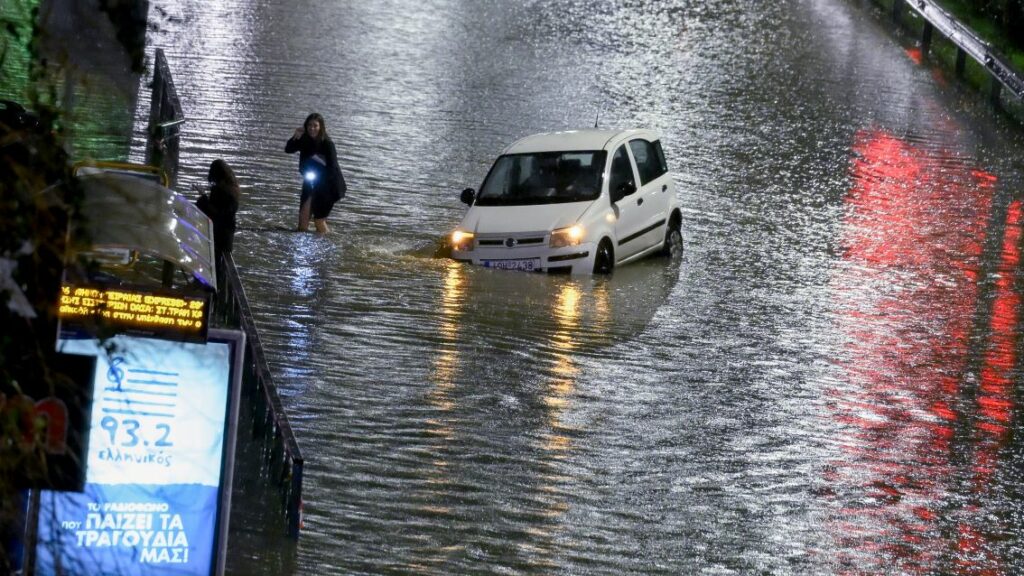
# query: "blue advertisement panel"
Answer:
x=156 y=471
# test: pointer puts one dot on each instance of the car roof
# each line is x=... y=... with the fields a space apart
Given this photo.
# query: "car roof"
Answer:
x=593 y=139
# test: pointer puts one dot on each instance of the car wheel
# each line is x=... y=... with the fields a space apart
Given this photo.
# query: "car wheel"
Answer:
x=673 y=247
x=604 y=259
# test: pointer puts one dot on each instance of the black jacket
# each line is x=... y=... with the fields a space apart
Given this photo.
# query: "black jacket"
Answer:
x=308 y=148
x=221 y=207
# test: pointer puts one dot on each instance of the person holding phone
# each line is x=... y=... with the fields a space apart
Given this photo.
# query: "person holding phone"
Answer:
x=220 y=204
x=322 y=181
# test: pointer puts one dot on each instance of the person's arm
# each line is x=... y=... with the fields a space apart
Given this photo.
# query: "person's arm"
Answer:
x=203 y=203
x=293 y=142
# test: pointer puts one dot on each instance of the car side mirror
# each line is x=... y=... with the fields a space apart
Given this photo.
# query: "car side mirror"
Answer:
x=467 y=196
x=623 y=190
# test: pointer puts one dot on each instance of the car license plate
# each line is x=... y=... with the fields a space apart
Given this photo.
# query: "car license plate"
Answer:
x=527 y=264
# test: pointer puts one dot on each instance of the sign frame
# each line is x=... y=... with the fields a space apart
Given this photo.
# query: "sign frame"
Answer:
x=214 y=540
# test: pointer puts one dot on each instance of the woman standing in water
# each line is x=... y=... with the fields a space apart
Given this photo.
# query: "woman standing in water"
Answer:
x=221 y=204
x=322 y=181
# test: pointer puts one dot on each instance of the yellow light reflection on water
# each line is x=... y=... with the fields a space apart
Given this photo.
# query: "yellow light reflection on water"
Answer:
x=443 y=372
x=566 y=311
x=447 y=358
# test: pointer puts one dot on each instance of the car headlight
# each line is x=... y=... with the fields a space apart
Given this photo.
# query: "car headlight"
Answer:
x=462 y=240
x=570 y=236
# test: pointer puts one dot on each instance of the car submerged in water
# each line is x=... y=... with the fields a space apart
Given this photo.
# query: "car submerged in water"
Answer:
x=578 y=202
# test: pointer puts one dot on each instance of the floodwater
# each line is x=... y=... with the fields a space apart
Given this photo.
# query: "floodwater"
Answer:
x=827 y=383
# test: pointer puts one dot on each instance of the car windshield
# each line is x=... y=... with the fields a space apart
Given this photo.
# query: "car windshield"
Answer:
x=543 y=178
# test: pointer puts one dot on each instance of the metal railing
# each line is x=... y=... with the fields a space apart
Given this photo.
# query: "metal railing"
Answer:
x=165 y=119
x=282 y=458
x=967 y=43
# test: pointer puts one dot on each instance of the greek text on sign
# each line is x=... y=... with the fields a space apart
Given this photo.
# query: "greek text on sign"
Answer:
x=135 y=311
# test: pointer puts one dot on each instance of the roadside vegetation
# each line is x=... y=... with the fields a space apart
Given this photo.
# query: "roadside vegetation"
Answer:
x=999 y=23
x=33 y=227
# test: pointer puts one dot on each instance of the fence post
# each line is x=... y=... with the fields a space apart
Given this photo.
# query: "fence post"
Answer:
x=295 y=499
x=280 y=456
x=31 y=519
x=165 y=117
x=154 y=151
x=996 y=89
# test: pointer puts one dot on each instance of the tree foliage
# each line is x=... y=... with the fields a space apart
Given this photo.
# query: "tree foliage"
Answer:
x=37 y=200
x=1003 y=20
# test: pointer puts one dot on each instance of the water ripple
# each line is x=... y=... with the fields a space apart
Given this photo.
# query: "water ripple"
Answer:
x=824 y=384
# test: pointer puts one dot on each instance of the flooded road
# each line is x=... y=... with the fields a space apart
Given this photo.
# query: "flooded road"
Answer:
x=827 y=383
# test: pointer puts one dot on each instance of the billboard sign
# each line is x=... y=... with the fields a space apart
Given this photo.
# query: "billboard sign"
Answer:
x=160 y=456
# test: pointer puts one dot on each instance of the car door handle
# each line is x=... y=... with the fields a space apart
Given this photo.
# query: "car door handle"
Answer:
x=639 y=201
x=664 y=187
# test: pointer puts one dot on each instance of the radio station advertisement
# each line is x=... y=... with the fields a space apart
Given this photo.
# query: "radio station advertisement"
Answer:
x=155 y=462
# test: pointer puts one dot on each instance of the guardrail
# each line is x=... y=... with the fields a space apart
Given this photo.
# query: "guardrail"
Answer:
x=165 y=119
x=282 y=458
x=967 y=43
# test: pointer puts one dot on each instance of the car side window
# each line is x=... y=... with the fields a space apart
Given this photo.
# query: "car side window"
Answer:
x=649 y=162
x=622 y=170
x=662 y=164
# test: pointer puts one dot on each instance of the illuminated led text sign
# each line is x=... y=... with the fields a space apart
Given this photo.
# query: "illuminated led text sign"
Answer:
x=177 y=316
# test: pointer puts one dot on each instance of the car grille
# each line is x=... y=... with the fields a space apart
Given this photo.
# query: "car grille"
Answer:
x=511 y=240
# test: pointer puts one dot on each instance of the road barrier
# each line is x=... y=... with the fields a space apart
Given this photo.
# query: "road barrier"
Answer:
x=966 y=42
x=165 y=118
x=281 y=457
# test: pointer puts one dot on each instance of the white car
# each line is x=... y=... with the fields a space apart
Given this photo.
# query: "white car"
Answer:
x=580 y=202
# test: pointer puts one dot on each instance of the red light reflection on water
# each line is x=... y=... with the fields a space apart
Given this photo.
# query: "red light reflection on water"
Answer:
x=916 y=55
x=906 y=301
x=994 y=399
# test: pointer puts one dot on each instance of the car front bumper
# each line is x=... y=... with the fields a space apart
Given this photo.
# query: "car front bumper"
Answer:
x=577 y=259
